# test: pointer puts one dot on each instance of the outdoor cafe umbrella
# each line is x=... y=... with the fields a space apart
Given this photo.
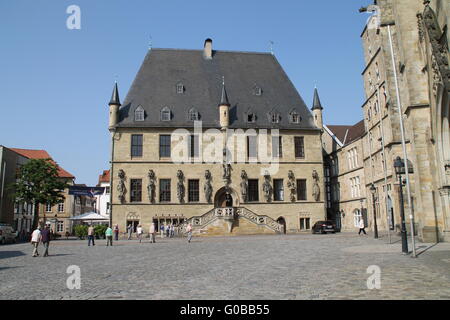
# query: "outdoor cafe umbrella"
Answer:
x=90 y=216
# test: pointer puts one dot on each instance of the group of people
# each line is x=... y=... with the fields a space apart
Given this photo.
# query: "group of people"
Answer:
x=39 y=236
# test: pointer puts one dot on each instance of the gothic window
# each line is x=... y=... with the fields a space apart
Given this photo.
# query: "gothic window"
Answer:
x=278 y=190
x=357 y=216
x=301 y=190
x=194 y=115
x=164 y=190
x=193 y=191
x=180 y=88
x=136 y=190
x=299 y=145
x=139 y=114
x=294 y=117
x=166 y=115
x=274 y=117
x=136 y=145
x=253 y=191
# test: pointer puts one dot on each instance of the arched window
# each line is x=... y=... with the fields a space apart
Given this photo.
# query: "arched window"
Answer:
x=274 y=116
x=139 y=114
x=193 y=115
x=166 y=115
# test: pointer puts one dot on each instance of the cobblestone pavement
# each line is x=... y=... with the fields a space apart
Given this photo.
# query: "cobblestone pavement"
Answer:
x=260 y=267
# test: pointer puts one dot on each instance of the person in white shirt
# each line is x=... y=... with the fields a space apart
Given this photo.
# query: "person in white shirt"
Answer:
x=189 y=232
x=152 y=232
x=362 y=227
x=139 y=233
x=35 y=239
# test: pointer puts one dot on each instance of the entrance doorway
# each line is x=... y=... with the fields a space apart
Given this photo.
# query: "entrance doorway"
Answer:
x=282 y=221
x=134 y=224
x=226 y=198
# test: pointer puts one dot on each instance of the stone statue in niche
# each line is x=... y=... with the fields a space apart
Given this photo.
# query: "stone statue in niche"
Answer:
x=316 y=188
x=180 y=186
x=267 y=187
x=121 y=189
x=244 y=186
x=208 y=187
x=292 y=185
x=151 y=188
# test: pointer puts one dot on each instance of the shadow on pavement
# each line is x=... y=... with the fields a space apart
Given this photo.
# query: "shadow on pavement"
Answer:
x=10 y=254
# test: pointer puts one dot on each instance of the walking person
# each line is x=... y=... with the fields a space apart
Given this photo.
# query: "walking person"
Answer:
x=35 y=239
x=152 y=232
x=140 y=231
x=91 y=236
x=161 y=228
x=109 y=236
x=172 y=230
x=167 y=230
x=116 y=232
x=362 y=227
x=130 y=231
x=45 y=238
x=189 y=232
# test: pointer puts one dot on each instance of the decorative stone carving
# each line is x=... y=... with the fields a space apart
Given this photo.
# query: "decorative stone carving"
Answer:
x=267 y=187
x=316 y=188
x=121 y=189
x=447 y=167
x=151 y=187
x=208 y=187
x=180 y=186
x=292 y=185
x=227 y=173
x=244 y=186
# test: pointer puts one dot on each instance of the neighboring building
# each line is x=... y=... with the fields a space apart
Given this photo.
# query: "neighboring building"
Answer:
x=420 y=43
x=83 y=204
x=103 y=201
x=57 y=215
x=19 y=215
x=176 y=89
x=345 y=177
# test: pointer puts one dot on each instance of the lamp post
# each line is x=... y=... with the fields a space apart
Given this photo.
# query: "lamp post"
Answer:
x=373 y=190
x=399 y=169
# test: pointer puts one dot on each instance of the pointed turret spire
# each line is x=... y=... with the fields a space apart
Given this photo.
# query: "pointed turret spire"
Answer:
x=115 y=96
x=224 y=98
x=316 y=102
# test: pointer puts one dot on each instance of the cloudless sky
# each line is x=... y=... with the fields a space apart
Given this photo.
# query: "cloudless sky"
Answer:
x=55 y=83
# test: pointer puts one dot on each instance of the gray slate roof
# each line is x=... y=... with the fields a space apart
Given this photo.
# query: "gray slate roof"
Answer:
x=155 y=88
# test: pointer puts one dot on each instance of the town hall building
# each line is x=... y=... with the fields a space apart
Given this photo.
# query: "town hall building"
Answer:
x=218 y=139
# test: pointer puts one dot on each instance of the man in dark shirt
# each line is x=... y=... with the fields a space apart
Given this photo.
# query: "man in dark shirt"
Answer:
x=45 y=238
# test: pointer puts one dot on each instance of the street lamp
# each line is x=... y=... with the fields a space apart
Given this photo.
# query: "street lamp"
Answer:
x=373 y=190
x=399 y=167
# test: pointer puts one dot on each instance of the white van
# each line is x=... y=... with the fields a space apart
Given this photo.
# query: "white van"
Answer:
x=7 y=234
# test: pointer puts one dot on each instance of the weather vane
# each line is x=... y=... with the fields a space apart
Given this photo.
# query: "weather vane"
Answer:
x=150 y=43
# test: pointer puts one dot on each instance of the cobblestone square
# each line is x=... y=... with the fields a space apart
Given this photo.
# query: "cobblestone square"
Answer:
x=259 y=267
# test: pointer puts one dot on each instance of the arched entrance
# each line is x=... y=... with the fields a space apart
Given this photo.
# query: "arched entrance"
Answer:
x=282 y=221
x=226 y=198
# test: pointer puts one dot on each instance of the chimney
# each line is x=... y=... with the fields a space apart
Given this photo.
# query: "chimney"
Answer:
x=207 y=50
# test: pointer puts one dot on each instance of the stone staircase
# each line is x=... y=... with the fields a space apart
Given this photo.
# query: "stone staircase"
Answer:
x=232 y=221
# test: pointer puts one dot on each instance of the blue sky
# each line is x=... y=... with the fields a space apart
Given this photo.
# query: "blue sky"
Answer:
x=55 y=83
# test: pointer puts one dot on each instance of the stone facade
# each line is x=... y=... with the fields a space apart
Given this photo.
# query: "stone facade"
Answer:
x=421 y=61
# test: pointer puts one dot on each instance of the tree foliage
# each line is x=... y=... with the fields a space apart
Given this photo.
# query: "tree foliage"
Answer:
x=38 y=182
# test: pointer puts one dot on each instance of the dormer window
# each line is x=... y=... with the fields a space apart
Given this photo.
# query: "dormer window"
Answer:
x=180 y=88
x=139 y=114
x=257 y=91
x=193 y=115
x=166 y=114
x=274 y=117
x=250 y=116
x=294 y=117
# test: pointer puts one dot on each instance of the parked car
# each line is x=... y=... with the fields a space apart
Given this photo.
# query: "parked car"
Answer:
x=7 y=234
x=324 y=227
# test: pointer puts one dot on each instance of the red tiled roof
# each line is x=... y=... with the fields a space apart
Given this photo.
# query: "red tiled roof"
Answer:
x=41 y=154
x=104 y=177
x=348 y=134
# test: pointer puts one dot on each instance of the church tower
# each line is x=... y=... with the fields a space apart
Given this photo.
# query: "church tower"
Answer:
x=317 y=110
x=114 y=106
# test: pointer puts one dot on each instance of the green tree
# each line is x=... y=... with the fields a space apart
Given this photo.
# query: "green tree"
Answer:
x=38 y=182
